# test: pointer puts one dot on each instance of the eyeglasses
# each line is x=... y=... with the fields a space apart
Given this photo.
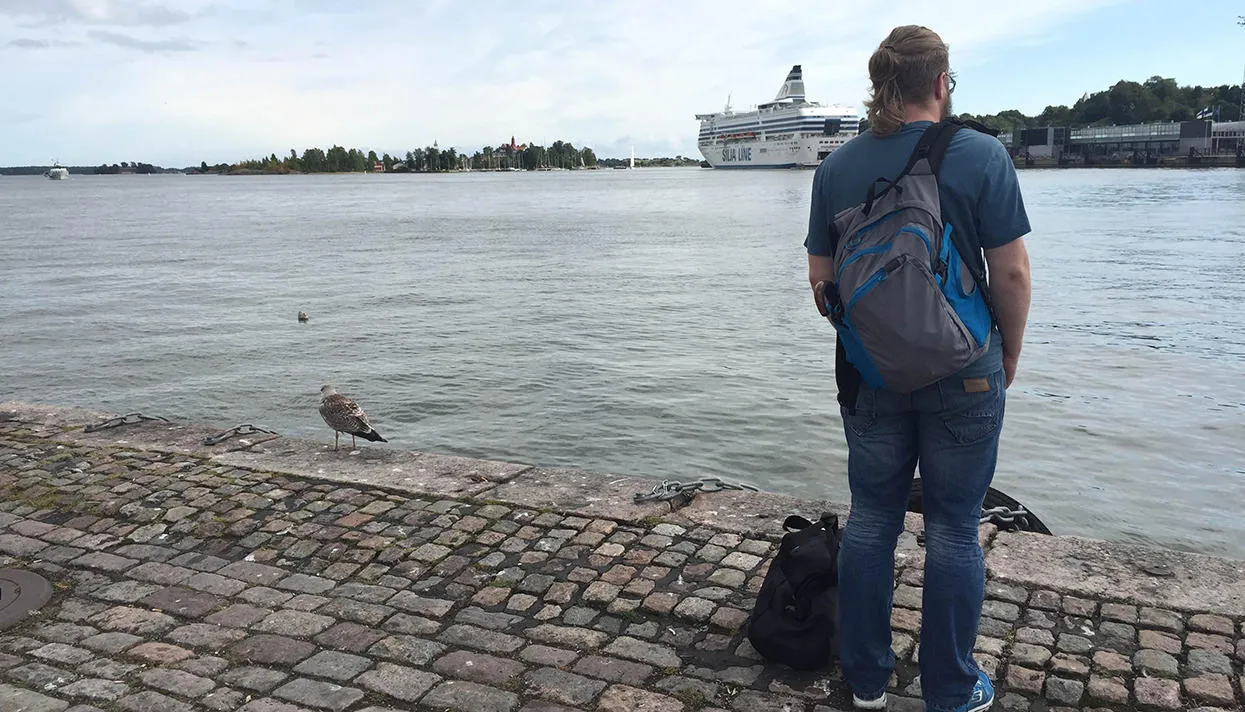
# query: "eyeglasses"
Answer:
x=950 y=82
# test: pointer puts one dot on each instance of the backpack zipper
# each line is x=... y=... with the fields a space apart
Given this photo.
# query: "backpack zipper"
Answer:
x=877 y=277
x=883 y=248
x=857 y=255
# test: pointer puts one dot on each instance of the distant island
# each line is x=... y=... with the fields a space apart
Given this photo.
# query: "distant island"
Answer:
x=513 y=156
x=560 y=155
x=125 y=167
x=1156 y=100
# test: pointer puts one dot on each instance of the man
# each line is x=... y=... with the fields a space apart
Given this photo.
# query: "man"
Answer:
x=950 y=427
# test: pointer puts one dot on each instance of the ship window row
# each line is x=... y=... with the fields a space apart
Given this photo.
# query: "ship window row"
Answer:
x=770 y=137
x=810 y=120
x=792 y=126
x=792 y=119
x=776 y=124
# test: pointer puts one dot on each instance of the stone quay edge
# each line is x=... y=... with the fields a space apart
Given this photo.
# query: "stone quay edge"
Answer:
x=272 y=574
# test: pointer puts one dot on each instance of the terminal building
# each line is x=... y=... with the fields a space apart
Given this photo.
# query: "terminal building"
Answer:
x=1148 y=141
x=1227 y=137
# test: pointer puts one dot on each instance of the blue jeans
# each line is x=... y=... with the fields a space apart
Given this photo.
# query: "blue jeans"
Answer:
x=952 y=429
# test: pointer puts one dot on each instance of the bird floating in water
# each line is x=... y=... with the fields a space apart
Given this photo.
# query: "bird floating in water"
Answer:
x=302 y=316
x=343 y=415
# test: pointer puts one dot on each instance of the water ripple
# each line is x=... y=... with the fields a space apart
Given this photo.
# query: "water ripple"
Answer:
x=654 y=322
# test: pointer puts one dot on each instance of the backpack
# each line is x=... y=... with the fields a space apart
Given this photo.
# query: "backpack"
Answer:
x=795 y=618
x=909 y=300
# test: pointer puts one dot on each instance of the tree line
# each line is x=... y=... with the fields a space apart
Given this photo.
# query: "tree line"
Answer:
x=430 y=159
x=126 y=167
x=663 y=162
x=102 y=169
x=1157 y=99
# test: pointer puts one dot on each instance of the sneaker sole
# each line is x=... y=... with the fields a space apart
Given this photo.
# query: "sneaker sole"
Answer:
x=878 y=704
x=981 y=707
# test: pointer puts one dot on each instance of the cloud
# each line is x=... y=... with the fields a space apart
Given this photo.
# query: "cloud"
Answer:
x=120 y=13
x=128 y=42
x=16 y=116
x=27 y=43
x=389 y=75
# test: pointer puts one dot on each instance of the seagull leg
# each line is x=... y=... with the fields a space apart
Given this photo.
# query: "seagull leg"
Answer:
x=352 y=445
x=336 y=437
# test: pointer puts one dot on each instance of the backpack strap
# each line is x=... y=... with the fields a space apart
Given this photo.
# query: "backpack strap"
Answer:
x=932 y=144
x=977 y=126
x=939 y=138
x=941 y=134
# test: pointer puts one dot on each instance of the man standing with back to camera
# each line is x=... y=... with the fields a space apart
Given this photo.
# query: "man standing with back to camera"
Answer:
x=952 y=426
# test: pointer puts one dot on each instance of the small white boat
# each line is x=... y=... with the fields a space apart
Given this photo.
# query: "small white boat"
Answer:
x=57 y=172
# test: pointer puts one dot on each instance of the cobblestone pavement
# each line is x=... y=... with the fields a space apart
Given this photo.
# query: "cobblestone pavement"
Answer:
x=183 y=584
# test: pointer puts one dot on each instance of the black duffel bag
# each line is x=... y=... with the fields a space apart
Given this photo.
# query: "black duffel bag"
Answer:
x=795 y=618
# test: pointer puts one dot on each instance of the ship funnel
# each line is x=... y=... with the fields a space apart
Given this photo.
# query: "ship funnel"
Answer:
x=793 y=88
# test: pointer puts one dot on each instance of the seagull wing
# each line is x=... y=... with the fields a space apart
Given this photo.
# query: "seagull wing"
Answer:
x=343 y=414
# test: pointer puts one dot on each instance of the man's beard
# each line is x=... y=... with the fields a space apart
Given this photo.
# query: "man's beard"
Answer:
x=946 y=108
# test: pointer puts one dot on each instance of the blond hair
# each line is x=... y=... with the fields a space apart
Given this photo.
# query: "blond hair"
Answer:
x=902 y=70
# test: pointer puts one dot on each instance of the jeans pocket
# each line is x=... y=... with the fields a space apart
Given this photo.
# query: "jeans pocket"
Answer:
x=866 y=415
x=973 y=416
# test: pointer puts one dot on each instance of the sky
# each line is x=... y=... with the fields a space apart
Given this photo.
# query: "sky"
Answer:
x=176 y=82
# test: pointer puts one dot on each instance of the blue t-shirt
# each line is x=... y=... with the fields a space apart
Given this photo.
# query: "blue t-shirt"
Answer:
x=978 y=189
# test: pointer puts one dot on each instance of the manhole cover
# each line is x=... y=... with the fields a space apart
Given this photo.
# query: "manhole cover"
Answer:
x=20 y=593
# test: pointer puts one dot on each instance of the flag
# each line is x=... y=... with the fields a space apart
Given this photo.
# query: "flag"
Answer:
x=1208 y=112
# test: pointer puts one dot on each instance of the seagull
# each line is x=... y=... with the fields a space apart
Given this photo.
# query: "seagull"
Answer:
x=343 y=415
x=302 y=316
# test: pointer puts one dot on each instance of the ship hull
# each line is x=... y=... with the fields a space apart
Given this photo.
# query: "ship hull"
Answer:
x=803 y=152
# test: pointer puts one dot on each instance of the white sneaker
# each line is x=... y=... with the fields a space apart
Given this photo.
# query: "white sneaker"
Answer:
x=876 y=703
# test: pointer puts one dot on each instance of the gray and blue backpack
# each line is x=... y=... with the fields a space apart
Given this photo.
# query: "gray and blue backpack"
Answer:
x=909 y=299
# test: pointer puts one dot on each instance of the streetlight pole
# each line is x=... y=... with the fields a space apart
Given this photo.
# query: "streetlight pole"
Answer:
x=1240 y=114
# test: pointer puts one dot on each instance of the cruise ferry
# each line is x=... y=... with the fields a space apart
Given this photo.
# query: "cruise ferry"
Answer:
x=788 y=132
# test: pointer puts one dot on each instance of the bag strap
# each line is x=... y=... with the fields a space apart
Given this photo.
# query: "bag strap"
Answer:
x=795 y=523
x=807 y=533
x=830 y=521
x=922 y=148
x=932 y=144
x=937 y=138
x=940 y=135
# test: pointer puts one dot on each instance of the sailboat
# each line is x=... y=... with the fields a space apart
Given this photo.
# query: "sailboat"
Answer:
x=631 y=164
